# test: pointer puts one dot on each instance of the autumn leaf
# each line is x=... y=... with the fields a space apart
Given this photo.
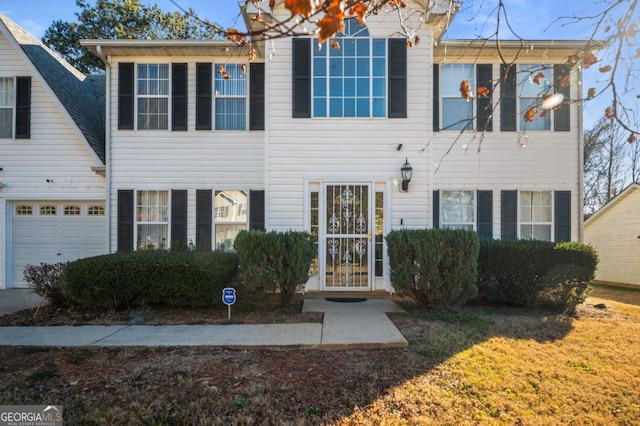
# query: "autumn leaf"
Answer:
x=258 y=18
x=608 y=113
x=564 y=81
x=223 y=72
x=252 y=54
x=606 y=68
x=272 y=4
x=588 y=59
x=537 y=78
x=573 y=59
x=543 y=113
x=483 y=91
x=332 y=22
x=359 y=10
x=417 y=40
x=607 y=28
x=299 y=7
x=234 y=35
x=334 y=44
x=632 y=138
x=243 y=68
x=530 y=115
x=465 y=90
x=591 y=92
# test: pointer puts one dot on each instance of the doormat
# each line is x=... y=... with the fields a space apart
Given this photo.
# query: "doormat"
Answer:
x=346 y=299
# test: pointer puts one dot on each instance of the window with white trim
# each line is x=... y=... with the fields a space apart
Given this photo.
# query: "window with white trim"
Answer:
x=536 y=215
x=152 y=219
x=230 y=97
x=95 y=211
x=72 y=210
x=153 y=96
x=229 y=220
x=458 y=210
x=350 y=81
x=24 y=210
x=7 y=102
x=534 y=83
x=457 y=112
x=48 y=210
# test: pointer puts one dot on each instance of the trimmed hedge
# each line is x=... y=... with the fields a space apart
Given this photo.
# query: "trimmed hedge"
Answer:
x=275 y=261
x=435 y=267
x=124 y=280
x=528 y=273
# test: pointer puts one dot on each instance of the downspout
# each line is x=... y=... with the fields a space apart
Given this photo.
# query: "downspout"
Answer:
x=580 y=206
x=107 y=142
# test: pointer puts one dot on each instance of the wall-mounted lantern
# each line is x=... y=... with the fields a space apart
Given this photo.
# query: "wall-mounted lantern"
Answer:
x=406 y=170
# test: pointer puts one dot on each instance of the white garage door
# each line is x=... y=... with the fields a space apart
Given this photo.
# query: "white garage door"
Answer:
x=51 y=232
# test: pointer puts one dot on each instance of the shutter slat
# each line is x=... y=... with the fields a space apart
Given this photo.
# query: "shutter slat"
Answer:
x=204 y=96
x=125 y=96
x=484 y=120
x=23 y=107
x=256 y=210
x=179 y=97
x=508 y=117
x=301 y=78
x=204 y=217
x=562 y=115
x=485 y=214
x=125 y=220
x=256 y=96
x=436 y=209
x=509 y=215
x=562 y=213
x=397 y=96
x=179 y=218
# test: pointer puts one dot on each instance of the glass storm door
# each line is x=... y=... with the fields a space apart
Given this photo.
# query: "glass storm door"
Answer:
x=347 y=226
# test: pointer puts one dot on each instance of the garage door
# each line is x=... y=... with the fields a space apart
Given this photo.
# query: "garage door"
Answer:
x=51 y=232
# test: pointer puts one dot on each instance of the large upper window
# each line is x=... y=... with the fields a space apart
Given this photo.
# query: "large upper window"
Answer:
x=458 y=210
x=534 y=82
x=230 y=216
x=153 y=96
x=230 y=97
x=6 y=107
x=457 y=112
x=152 y=219
x=350 y=81
x=536 y=216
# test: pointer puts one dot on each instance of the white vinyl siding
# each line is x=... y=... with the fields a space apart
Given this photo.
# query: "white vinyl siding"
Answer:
x=153 y=96
x=7 y=102
x=230 y=103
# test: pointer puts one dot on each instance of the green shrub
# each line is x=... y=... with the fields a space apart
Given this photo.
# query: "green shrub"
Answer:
x=45 y=281
x=435 y=267
x=528 y=273
x=275 y=261
x=124 y=280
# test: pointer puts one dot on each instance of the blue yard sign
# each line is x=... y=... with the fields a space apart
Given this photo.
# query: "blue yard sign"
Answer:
x=229 y=298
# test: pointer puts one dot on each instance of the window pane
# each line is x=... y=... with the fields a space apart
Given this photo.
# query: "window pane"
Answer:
x=540 y=123
x=231 y=113
x=451 y=77
x=152 y=236
x=457 y=114
x=458 y=209
x=6 y=123
x=235 y=85
x=6 y=107
x=226 y=205
x=527 y=74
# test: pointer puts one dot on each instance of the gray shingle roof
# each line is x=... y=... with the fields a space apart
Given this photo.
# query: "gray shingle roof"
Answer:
x=82 y=96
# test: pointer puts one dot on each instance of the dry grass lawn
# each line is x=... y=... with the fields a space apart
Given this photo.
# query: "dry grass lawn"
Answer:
x=475 y=365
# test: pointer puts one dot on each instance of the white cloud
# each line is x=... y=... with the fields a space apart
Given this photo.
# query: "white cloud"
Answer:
x=33 y=28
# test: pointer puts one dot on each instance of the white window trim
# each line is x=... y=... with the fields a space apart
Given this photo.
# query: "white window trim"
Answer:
x=216 y=96
x=168 y=96
x=13 y=107
x=137 y=222
x=553 y=206
x=445 y=225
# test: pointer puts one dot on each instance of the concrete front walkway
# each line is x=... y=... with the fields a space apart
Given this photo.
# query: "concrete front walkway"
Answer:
x=345 y=326
x=16 y=299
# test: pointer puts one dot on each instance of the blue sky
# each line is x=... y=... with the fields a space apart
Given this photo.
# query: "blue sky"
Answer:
x=532 y=20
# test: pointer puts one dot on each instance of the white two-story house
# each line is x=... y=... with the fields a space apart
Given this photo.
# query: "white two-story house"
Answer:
x=201 y=143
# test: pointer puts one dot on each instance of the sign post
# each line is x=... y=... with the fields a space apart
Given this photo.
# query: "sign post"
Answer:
x=229 y=298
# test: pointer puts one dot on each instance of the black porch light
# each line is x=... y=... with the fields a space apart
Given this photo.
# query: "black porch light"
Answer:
x=406 y=170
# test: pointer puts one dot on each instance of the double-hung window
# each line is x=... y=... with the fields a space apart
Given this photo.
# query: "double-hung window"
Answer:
x=350 y=81
x=458 y=210
x=153 y=96
x=6 y=107
x=230 y=217
x=152 y=219
x=230 y=97
x=536 y=217
x=457 y=112
x=534 y=82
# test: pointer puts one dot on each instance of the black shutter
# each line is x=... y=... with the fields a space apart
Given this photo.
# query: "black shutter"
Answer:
x=436 y=98
x=179 y=96
x=125 y=220
x=23 y=107
x=125 y=96
x=301 y=78
x=256 y=96
x=562 y=216
x=204 y=216
x=204 y=83
x=256 y=210
x=179 y=217
x=562 y=115
x=508 y=117
x=485 y=214
x=509 y=215
x=484 y=117
x=436 y=209
x=397 y=78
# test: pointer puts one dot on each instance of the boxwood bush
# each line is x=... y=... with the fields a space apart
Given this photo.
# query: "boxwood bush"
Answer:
x=124 y=280
x=435 y=267
x=528 y=273
x=275 y=261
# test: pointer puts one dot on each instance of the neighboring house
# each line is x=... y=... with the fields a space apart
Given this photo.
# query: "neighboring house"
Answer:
x=614 y=231
x=312 y=138
x=52 y=185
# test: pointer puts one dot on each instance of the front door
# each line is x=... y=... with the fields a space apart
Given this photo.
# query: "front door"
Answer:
x=347 y=237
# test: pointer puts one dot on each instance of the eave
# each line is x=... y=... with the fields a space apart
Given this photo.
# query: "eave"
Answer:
x=450 y=50
x=175 y=48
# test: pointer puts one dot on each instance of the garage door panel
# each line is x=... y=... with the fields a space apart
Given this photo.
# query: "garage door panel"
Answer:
x=50 y=239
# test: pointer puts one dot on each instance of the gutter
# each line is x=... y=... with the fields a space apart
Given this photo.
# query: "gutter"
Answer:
x=107 y=142
x=580 y=206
